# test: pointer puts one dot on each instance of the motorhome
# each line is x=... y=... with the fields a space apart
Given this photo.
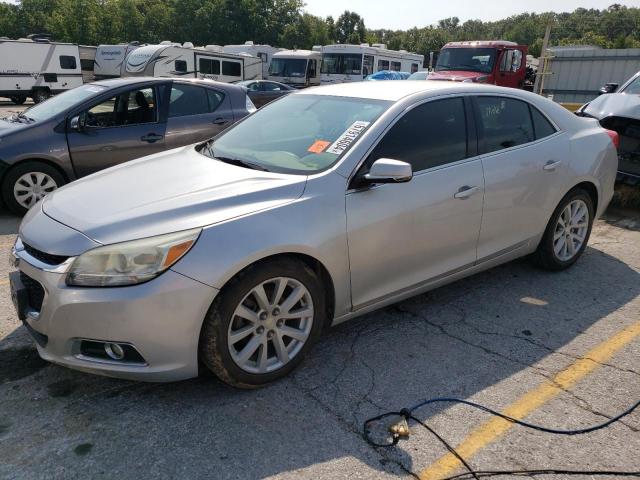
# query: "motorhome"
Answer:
x=263 y=52
x=38 y=68
x=174 y=60
x=352 y=63
x=297 y=68
x=109 y=59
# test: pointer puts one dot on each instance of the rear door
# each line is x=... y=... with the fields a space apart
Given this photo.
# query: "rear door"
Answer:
x=524 y=167
x=196 y=113
x=123 y=127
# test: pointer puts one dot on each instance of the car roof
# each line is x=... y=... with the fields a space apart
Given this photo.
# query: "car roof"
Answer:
x=395 y=90
x=123 y=81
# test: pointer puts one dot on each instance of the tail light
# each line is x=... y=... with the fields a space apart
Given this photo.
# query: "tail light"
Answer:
x=615 y=138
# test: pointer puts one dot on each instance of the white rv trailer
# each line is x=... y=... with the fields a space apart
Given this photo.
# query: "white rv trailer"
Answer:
x=175 y=60
x=109 y=59
x=37 y=68
x=351 y=63
x=297 y=68
x=263 y=52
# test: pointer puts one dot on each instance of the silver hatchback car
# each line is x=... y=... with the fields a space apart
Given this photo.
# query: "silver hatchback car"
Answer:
x=324 y=205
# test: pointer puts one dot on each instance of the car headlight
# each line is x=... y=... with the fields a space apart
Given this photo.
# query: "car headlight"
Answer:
x=130 y=263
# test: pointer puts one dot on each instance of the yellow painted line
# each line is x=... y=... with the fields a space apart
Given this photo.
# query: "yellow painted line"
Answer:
x=530 y=401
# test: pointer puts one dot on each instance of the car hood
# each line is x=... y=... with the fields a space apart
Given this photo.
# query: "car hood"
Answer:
x=166 y=192
x=7 y=127
x=614 y=104
x=455 y=75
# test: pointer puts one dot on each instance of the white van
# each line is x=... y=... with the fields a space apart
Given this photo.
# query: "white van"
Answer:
x=37 y=68
x=352 y=63
x=297 y=68
x=263 y=52
x=175 y=60
x=109 y=59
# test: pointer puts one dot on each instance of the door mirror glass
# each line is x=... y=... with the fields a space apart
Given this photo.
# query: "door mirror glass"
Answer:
x=386 y=170
x=608 y=88
x=79 y=122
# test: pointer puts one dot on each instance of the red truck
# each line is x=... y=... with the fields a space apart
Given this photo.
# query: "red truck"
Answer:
x=497 y=62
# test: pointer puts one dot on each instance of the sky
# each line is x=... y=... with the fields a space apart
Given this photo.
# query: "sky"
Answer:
x=403 y=14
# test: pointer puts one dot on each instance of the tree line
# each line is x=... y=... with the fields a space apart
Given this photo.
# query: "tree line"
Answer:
x=285 y=23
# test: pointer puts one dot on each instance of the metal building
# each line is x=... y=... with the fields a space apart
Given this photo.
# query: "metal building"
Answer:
x=574 y=74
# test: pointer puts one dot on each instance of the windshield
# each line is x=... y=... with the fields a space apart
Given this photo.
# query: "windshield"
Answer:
x=342 y=63
x=61 y=102
x=288 y=67
x=300 y=134
x=634 y=87
x=418 y=76
x=467 y=59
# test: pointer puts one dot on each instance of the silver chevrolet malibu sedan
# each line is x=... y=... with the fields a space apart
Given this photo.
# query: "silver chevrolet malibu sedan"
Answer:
x=237 y=253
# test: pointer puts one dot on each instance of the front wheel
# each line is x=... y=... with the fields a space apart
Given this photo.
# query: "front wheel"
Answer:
x=18 y=99
x=263 y=323
x=40 y=95
x=27 y=183
x=567 y=233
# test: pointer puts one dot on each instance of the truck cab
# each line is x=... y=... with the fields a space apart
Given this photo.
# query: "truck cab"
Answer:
x=495 y=62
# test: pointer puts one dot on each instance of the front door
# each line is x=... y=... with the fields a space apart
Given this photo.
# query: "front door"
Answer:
x=402 y=235
x=124 y=127
x=512 y=65
x=524 y=166
x=196 y=114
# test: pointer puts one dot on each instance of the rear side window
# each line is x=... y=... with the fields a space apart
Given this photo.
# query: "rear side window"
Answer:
x=215 y=99
x=504 y=123
x=231 y=69
x=429 y=135
x=187 y=100
x=67 y=62
x=541 y=125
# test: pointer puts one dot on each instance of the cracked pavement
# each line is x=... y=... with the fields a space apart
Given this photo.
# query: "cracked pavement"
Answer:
x=489 y=338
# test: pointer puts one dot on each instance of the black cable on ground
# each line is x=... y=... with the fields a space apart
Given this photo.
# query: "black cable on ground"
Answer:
x=407 y=414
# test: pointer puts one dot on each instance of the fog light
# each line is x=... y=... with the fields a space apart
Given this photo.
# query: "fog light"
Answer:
x=114 y=351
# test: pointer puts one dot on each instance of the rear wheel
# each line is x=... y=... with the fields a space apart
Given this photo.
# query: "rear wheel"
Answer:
x=567 y=233
x=18 y=99
x=27 y=183
x=263 y=323
x=40 y=95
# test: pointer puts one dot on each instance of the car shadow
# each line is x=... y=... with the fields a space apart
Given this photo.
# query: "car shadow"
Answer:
x=454 y=341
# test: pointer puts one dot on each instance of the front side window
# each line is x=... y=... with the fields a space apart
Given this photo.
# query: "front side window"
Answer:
x=231 y=69
x=134 y=107
x=504 y=123
x=187 y=100
x=633 y=87
x=68 y=62
x=299 y=134
x=208 y=66
x=342 y=63
x=466 y=59
x=429 y=135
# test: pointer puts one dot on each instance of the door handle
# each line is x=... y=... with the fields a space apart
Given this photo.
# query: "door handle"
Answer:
x=465 y=192
x=220 y=121
x=151 y=137
x=551 y=165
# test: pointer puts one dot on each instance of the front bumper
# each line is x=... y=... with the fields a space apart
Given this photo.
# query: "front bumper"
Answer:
x=161 y=319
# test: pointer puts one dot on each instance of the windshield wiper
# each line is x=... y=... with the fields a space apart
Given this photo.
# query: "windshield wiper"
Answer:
x=28 y=119
x=242 y=163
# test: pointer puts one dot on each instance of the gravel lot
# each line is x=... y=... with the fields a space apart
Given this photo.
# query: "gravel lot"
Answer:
x=492 y=338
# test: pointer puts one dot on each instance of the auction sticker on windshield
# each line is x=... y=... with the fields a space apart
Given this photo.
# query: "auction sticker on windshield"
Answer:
x=347 y=138
x=318 y=146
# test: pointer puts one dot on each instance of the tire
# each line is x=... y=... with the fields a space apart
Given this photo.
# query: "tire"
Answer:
x=18 y=99
x=221 y=320
x=40 y=95
x=39 y=174
x=554 y=251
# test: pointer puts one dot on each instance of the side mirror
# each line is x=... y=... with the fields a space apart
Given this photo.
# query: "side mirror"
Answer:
x=608 y=88
x=386 y=170
x=79 y=122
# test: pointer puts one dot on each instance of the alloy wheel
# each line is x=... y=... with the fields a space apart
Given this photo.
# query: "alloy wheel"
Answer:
x=571 y=230
x=31 y=187
x=270 y=325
